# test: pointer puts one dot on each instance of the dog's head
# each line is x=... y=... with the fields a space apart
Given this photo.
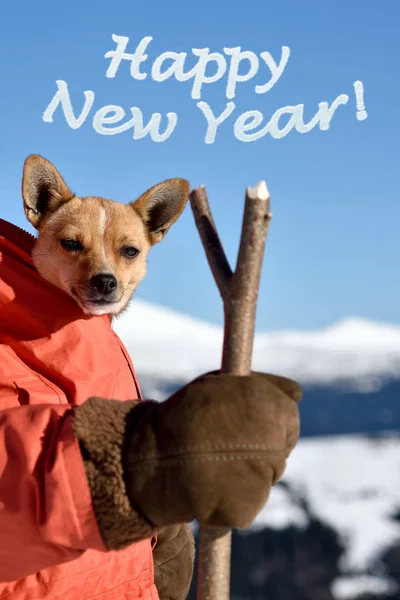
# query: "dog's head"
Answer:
x=95 y=249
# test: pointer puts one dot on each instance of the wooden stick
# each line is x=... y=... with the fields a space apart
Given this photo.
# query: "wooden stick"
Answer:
x=210 y=239
x=239 y=291
x=240 y=304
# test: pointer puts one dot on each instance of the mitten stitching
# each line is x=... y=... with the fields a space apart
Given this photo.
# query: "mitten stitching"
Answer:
x=161 y=462
x=209 y=448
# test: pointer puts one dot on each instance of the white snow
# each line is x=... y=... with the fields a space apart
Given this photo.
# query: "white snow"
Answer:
x=173 y=346
x=168 y=344
x=346 y=588
x=351 y=483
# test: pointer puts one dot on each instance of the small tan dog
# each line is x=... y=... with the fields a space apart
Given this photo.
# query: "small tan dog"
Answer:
x=95 y=249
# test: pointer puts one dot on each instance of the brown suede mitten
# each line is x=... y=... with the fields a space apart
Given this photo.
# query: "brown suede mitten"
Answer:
x=173 y=562
x=210 y=452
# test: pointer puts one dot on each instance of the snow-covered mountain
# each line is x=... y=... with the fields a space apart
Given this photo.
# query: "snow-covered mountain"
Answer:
x=337 y=366
x=175 y=347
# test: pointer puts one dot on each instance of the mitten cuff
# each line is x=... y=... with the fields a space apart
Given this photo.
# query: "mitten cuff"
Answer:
x=100 y=427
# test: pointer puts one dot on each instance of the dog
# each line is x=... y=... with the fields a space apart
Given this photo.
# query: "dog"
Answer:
x=95 y=249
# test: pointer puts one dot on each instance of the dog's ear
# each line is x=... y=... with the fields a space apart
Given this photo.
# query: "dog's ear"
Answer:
x=161 y=206
x=43 y=189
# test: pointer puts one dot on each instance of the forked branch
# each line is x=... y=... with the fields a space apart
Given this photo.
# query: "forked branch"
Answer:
x=215 y=253
x=239 y=291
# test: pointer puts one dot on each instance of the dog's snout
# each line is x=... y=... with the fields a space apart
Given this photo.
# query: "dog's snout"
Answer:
x=104 y=283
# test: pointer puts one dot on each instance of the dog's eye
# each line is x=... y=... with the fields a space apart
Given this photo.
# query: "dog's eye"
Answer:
x=129 y=251
x=71 y=245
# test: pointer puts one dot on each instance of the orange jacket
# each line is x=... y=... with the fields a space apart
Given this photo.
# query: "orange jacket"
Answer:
x=52 y=357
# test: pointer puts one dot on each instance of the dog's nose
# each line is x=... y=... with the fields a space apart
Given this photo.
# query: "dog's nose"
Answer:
x=104 y=283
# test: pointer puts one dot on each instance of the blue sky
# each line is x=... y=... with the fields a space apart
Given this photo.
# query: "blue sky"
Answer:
x=333 y=246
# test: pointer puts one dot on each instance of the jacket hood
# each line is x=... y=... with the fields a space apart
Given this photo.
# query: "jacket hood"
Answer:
x=16 y=242
x=22 y=288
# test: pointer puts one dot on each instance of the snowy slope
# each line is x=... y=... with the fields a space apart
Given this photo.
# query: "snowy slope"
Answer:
x=172 y=346
x=351 y=483
x=347 y=588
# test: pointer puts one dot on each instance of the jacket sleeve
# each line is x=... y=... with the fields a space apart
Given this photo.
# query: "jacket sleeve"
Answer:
x=62 y=486
x=46 y=513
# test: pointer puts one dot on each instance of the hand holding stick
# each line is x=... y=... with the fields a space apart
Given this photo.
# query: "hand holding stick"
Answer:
x=239 y=292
